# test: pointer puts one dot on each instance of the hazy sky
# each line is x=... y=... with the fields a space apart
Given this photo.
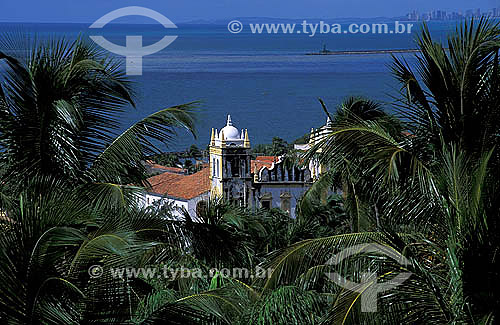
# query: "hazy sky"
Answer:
x=185 y=10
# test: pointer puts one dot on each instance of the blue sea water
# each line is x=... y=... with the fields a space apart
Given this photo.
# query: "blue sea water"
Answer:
x=266 y=82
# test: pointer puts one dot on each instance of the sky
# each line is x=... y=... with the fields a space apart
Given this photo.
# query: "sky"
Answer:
x=186 y=10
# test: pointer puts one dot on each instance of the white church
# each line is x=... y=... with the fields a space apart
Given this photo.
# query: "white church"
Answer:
x=263 y=182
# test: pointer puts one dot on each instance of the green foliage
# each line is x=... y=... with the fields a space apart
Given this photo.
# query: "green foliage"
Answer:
x=194 y=152
x=286 y=305
x=167 y=159
x=423 y=185
x=261 y=150
x=65 y=199
x=48 y=242
x=59 y=109
x=303 y=139
x=278 y=147
x=432 y=175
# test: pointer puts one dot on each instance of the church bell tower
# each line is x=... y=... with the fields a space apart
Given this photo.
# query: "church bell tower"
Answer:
x=230 y=161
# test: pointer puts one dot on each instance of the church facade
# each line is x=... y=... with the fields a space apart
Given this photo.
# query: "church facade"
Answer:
x=233 y=174
x=263 y=182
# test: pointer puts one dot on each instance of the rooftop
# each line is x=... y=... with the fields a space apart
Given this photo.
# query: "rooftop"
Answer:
x=263 y=161
x=154 y=167
x=185 y=187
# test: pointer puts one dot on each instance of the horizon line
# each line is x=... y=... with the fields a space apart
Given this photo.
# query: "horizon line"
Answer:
x=197 y=21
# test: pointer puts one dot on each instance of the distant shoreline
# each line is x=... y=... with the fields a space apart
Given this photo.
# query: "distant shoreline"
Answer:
x=364 y=52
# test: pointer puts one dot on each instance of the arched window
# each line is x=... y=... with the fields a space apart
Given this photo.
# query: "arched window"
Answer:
x=285 y=201
x=217 y=167
x=213 y=167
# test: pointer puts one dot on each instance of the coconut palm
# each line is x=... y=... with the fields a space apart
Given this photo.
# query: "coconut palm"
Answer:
x=454 y=92
x=60 y=106
x=49 y=243
x=433 y=230
x=435 y=193
x=348 y=173
x=436 y=187
x=66 y=196
x=426 y=188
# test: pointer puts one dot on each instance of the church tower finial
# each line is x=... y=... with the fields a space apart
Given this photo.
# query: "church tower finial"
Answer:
x=222 y=139
x=229 y=122
x=246 y=142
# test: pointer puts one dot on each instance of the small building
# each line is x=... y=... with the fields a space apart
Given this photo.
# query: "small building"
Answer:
x=184 y=192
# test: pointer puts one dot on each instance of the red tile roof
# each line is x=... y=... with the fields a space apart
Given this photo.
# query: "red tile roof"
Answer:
x=184 y=187
x=263 y=161
x=172 y=169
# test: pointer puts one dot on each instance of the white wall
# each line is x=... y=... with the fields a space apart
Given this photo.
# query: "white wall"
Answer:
x=193 y=202
x=189 y=205
x=151 y=198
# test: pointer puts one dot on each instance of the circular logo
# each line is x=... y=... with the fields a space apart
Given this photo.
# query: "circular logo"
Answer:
x=95 y=271
x=134 y=50
x=235 y=27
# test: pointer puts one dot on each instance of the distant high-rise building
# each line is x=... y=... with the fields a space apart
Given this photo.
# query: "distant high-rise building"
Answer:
x=451 y=15
x=438 y=15
x=413 y=15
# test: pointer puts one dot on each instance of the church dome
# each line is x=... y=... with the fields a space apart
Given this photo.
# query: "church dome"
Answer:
x=230 y=132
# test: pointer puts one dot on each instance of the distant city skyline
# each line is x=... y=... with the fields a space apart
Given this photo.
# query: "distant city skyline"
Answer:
x=187 y=10
x=440 y=14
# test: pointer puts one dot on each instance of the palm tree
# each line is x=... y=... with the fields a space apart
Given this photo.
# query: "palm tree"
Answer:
x=436 y=185
x=348 y=173
x=53 y=244
x=222 y=235
x=454 y=93
x=427 y=186
x=433 y=178
x=432 y=230
x=60 y=108
x=67 y=199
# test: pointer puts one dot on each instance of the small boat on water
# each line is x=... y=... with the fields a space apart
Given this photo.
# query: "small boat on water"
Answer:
x=325 y=51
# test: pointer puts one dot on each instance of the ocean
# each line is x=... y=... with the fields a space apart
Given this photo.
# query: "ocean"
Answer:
x=266 y=82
